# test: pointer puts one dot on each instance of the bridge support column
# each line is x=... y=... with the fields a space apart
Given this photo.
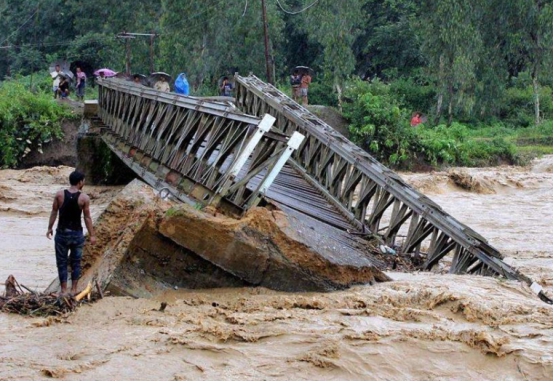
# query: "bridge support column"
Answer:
x=95 y=159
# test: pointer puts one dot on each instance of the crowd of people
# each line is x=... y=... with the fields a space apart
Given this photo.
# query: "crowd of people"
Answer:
x=300 y=82
x=62 y=81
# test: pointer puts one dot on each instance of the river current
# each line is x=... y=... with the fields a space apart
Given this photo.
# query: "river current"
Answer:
x=420 y=326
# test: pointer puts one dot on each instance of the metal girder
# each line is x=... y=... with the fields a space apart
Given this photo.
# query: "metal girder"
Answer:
x=190 y=146
x=365 y=191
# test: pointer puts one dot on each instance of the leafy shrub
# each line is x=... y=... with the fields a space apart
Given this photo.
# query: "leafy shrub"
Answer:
x=27 y=120
x=322 y=93
x=377 y=123
x=414 y=95
x=457 y=145
x=544 y=129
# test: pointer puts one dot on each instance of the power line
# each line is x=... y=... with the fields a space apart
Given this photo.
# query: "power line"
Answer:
x=245 y=6
x=47 y=44
x=296 y=12
x=21 y=26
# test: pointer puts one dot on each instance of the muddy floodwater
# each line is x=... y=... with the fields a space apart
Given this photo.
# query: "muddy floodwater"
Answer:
x=420 y=326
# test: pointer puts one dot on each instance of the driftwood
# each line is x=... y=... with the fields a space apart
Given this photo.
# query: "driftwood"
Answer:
x=36 y=304
x=85 y=292
x=32 y=304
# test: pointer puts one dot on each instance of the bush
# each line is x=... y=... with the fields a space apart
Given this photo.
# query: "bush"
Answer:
x=27 y=120
x=322 y=93
x=457 y=145
x=377 y=123
x=380 y=124
x=413 y=95
x=517 y=107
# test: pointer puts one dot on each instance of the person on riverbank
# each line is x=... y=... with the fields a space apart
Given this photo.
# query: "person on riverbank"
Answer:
x=295 y=80
x=81 y=82
x=63 y=89
x=225 y=88
x=416 y=119
x=304 y=85
x=69 y=239
x=56 y=77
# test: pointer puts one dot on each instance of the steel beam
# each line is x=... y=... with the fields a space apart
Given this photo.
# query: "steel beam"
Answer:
x=339 y=168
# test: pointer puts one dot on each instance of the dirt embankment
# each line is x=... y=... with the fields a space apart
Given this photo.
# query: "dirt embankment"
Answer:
x=57 y=152
x=147 y=245
x=332 y=117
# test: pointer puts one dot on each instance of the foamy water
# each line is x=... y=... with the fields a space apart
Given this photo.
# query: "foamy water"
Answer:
x=421 y=326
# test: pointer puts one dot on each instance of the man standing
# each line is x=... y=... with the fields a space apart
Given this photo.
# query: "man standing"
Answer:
x=162 y=85
x=81 y=82
x=56 y=80
x=304 y=84
x=225 y=88
x=69 y=233
x=416 y=119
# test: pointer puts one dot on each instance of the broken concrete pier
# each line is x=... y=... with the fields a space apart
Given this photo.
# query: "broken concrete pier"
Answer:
x=146 y=245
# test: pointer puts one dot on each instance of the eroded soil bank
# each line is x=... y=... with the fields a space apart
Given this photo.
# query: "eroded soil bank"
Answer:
x=146 y=245
x=420 y=326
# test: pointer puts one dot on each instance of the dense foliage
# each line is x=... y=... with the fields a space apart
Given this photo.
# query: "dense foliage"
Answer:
x=380 y=122
x=27 y=120
x=459 y=62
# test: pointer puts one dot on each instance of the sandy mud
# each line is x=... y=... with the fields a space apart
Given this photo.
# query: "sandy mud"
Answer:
x=420 y=326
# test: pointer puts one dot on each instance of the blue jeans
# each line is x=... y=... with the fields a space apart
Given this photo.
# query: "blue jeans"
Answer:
x=81 y=91
x=72 y=242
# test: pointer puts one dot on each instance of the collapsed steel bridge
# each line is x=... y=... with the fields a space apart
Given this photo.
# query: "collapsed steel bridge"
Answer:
x=210 y=153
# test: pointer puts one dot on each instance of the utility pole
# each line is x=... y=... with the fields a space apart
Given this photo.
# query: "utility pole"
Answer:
x=266 y=42
x=128 y=36
x=33 y=66
x=152 y=52
x=127 y=57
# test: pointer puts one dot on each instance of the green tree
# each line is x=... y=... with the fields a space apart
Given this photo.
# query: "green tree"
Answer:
x=215 y=37
x=389 y=45
x=453 y=47
x=335 y=27
x=29 y=31
x=531 y=42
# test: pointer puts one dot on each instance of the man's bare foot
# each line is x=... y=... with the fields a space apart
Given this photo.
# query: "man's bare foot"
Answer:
x=63 y=291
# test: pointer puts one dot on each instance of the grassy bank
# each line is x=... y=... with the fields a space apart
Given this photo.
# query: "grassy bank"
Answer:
x=28 y=119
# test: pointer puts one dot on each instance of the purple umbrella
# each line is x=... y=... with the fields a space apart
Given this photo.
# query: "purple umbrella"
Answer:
x=107 y=72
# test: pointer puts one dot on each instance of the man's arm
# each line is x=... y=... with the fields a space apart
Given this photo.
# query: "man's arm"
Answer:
x=53 y=214
x=88 y=219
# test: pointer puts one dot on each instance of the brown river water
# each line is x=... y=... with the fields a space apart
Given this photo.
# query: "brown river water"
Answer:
x=421 y=326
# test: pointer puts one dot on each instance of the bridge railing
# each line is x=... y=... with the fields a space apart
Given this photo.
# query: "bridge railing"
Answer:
x=194 y=148
x=369 y=194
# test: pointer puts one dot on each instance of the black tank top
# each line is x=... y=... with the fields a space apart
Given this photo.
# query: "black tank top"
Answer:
x=70 y=212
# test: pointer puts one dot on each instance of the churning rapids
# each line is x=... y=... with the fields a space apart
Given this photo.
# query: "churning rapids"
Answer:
x=421 y=326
